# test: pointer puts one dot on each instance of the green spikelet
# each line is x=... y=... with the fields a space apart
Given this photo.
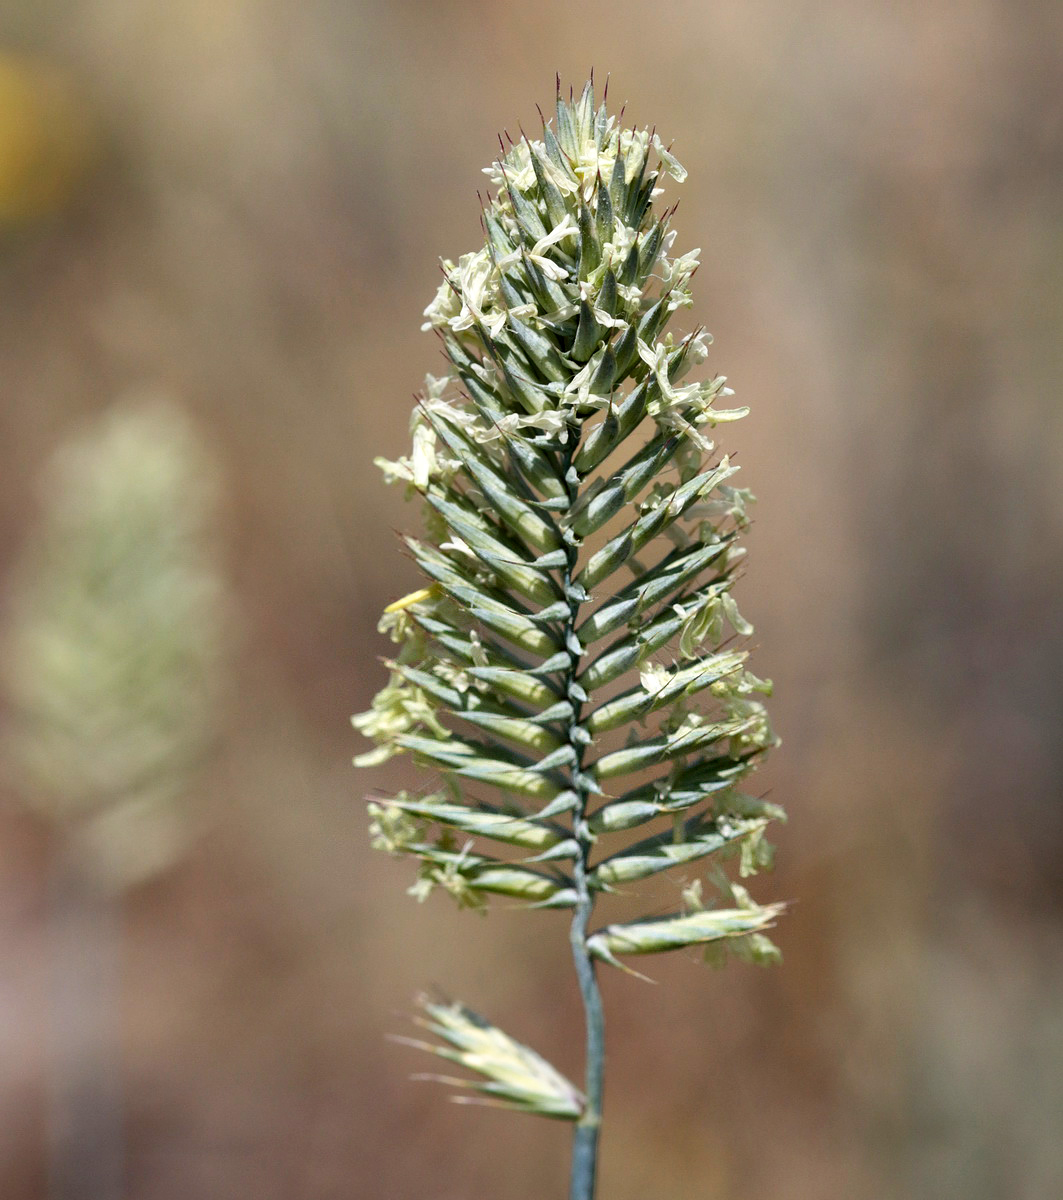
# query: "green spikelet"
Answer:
x=573 y=666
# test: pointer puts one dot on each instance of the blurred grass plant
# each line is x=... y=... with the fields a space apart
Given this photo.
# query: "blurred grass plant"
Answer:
x=569 y=668
x=114 y=642
x=112 y=670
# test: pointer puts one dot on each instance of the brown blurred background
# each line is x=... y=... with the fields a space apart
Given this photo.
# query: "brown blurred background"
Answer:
x=241 y=203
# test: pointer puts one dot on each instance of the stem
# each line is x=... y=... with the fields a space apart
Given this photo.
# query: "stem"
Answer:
x=85 y=1135
x=585 y=1138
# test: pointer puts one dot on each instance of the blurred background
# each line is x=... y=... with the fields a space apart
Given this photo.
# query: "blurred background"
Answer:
x=239 y=205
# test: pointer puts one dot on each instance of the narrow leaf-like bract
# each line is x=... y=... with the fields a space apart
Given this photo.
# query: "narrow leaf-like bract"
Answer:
x=571 y=666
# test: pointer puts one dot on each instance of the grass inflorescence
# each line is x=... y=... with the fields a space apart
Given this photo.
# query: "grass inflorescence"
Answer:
x=573 y=670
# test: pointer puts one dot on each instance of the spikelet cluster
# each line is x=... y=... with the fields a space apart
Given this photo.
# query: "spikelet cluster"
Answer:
x=573 y=668
x=113 y=647
x=513 y=1076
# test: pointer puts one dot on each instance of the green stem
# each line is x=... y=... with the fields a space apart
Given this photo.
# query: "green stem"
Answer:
x=585 y=1139
x=85 y=1152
